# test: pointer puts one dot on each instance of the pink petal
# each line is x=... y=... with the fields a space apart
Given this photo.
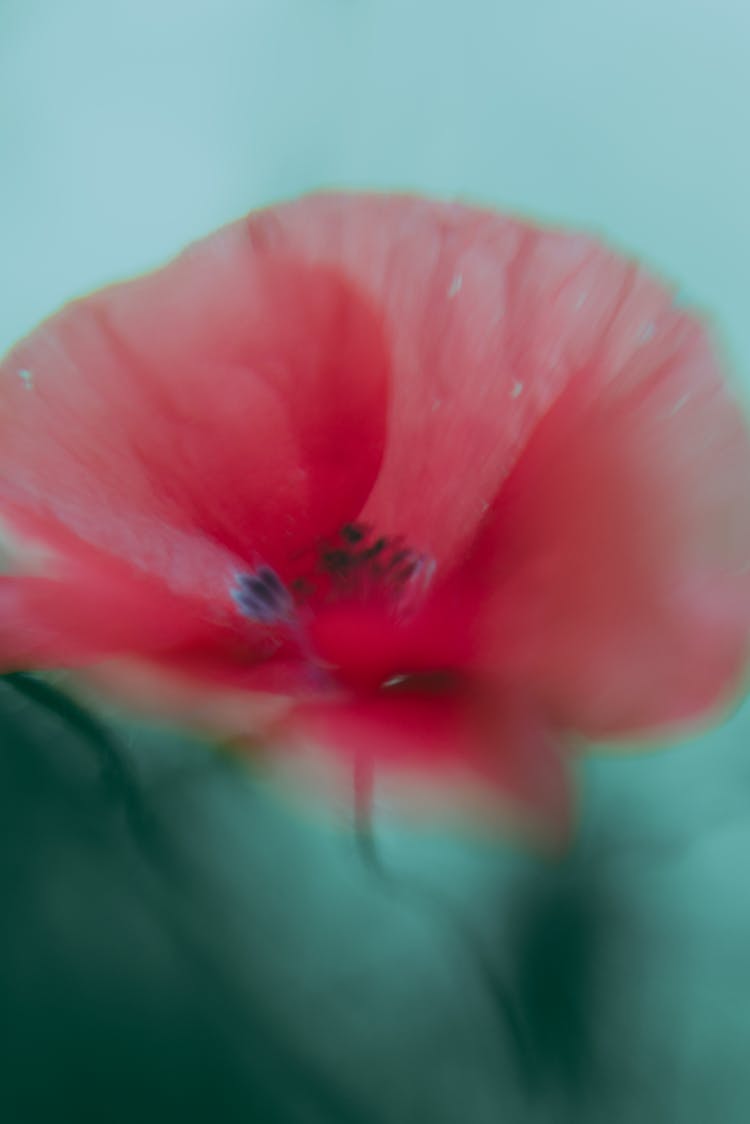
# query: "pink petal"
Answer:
x=458 y=308
x=615 y=565
x=84 y=613
x=197 y=416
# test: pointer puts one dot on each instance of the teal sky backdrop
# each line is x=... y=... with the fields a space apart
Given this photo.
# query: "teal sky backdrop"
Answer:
x=128 y=128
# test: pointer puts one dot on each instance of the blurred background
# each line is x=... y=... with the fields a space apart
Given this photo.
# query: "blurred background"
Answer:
x=175 y=942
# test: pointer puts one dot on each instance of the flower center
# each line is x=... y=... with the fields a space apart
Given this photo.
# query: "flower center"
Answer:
x=348 y=605
x=359 y=567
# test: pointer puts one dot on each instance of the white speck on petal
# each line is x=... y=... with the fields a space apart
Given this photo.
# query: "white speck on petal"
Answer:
x=26 y=378
x=682 y=401
x=436 y=404
x=647 y=332
x=581 y=300
x=516 y=389
x=455 y=286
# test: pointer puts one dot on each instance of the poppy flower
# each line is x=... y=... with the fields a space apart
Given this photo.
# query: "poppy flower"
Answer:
x=412 y=488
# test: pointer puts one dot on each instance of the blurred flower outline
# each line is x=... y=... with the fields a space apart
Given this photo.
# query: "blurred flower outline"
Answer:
x=412 y=491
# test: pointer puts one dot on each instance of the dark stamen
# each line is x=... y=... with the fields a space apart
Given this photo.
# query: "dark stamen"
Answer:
x=337 y=561
x=373 y=551
x=257 y=589
x=354 y=533
x=262 y=596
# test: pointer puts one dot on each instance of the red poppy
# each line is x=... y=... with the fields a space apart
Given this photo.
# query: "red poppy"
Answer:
x=420 y=486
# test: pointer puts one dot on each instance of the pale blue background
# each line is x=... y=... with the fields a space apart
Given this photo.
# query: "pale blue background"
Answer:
x=131 y=126
x=128 y=128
